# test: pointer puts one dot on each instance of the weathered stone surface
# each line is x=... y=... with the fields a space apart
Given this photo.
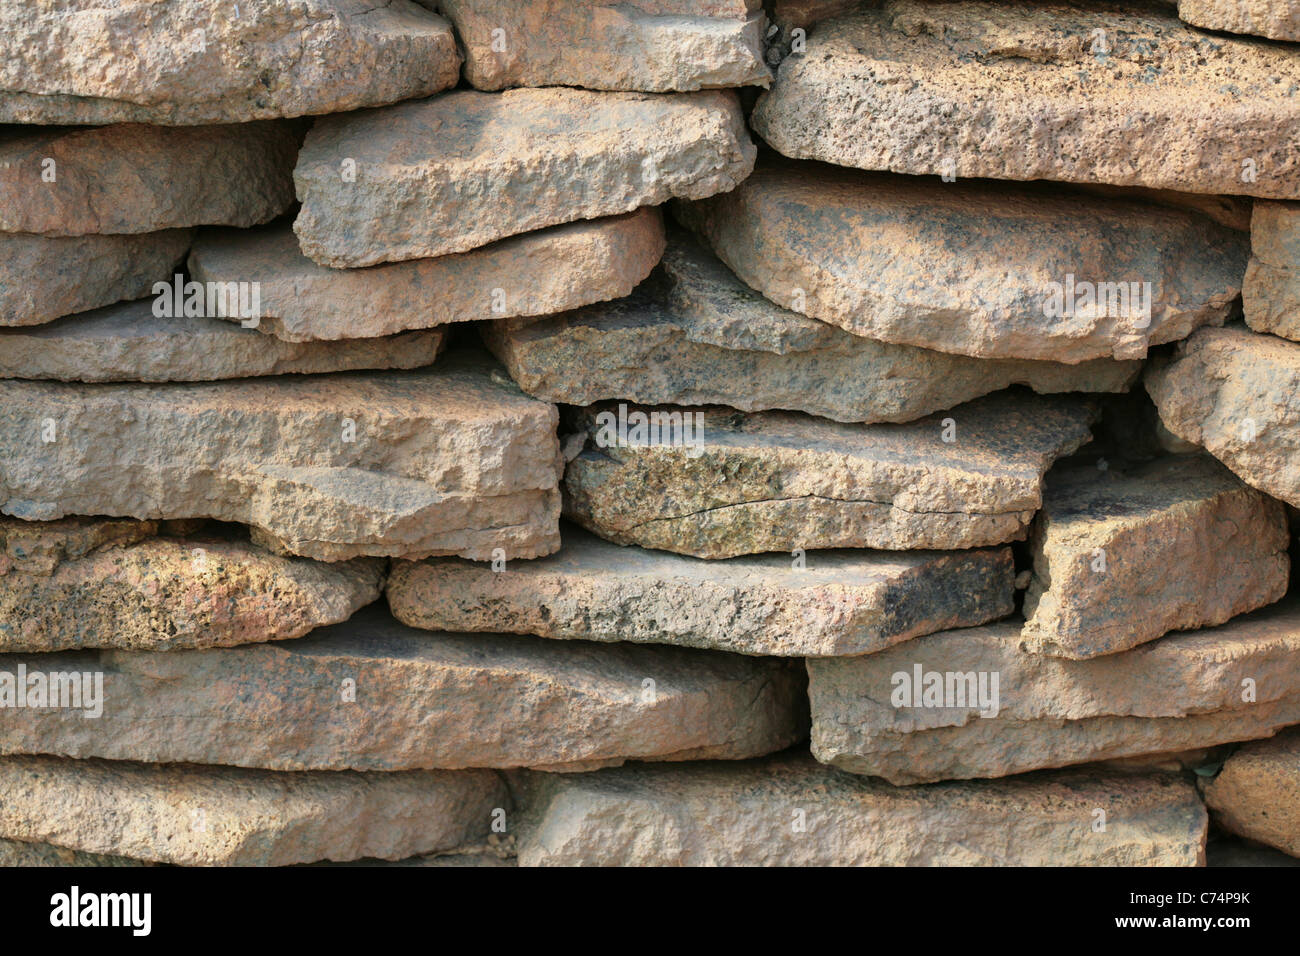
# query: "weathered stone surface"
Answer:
x=1235 y=852
x=656 y=46
x=1026 y=91
x=694 y=334
x=186 y=62
x=1124 y=555
x=538 y=273
x=133 y=178
x=43 y=278
x=777 y=481
x=1233 y=392
x=449 y=460
x=221 y=816
x=456 y=172
x=1196 y=689
x=978 y=268
x=741 y=815
x=83 y=582
x=422 y=701
x=1231 y=211
x=1257 y=794
x=18 y=853
x=1277 y=19
x=839 y=602
x=128 y=343
x=1270 y=295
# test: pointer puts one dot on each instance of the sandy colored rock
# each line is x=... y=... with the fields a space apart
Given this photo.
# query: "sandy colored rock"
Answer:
x=18 y=853
x=43 y=278
x=838 y=602
x=371 y=694
x=1031 y=91
x=222 y=816
x=1270 y=295
x=1277 y=19
x=1231 y=211
x=745 y=814
x=1186 y=691
x=448 y=460
x=1257 y=794
x=188 y=62
x=1124 y=555
x=459 y=171
x=538 y=273
x=777 y=481
x=655 y=46
x=1233 y=392
x=876 y=254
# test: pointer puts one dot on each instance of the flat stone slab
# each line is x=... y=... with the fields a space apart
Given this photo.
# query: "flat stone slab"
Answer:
x=777 y=481
x=43 y=278
x=656 y=46
x=223 y=816
x=1277 y=19
x=1233 y=392
x=83 y=582
x=18 y=853
x=187 y=62
x=1257 y=794
x=830 y=603
x=1124 y=555
x=371 y=694
x=789 y=811
x=1187 y=691
x=459 y=171
x=448 y=460
x=1043 y=273
x=1270 y=295
x=1096 y=93
x=549 y=270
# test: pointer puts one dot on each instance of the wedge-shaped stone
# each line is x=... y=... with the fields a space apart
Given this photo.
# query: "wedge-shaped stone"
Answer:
x=827 y=603
x=1080 y=93
x=459 y=171
x=43 y=278
x=538 y=273
x=790 y=811
x=1270 y=295
x=985 y=269
x=1233 y=392
x=1277 y=19
x=776 y=481
x=451 y=460
x=187 y=62
x=1257 y=794
x=371 y=694
x=656 y=46
x=977 y=703
x=1124 y=555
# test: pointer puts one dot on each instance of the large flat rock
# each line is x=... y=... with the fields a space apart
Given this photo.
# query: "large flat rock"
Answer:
x=875 y=254
x=449 y=460
x=459 y=171
x=187 y=62
x=1102 y=92
x=1126 y=554
x=1257 y=794
x=19 y=853
x=836 y=603
x=789 y=811
x=549 y=270
x=777 y=481
x=1270 y=294
x=1186 y=691
x=1276 y=19
x=371 y=694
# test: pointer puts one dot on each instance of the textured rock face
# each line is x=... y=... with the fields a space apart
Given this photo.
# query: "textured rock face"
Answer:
x=789 y=811
x=1232 y=392
x=451 y=460
x=455 y=172
x=1270 y=295
x=656 y=46
x=1122 y=556
x=876 y=255
x=186 y=62
x=994 y=90
x=82 y=582
x=128 y=343
x=538 y=273
x=134 y=178
x=18 y=853
x=1187 y=691
x=43 y=278
x=371 y=694
x=694 y=334
x=837 y=602
x=1257 y=794
x=1278 y=19
x=776 y=481
x=210 y=816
